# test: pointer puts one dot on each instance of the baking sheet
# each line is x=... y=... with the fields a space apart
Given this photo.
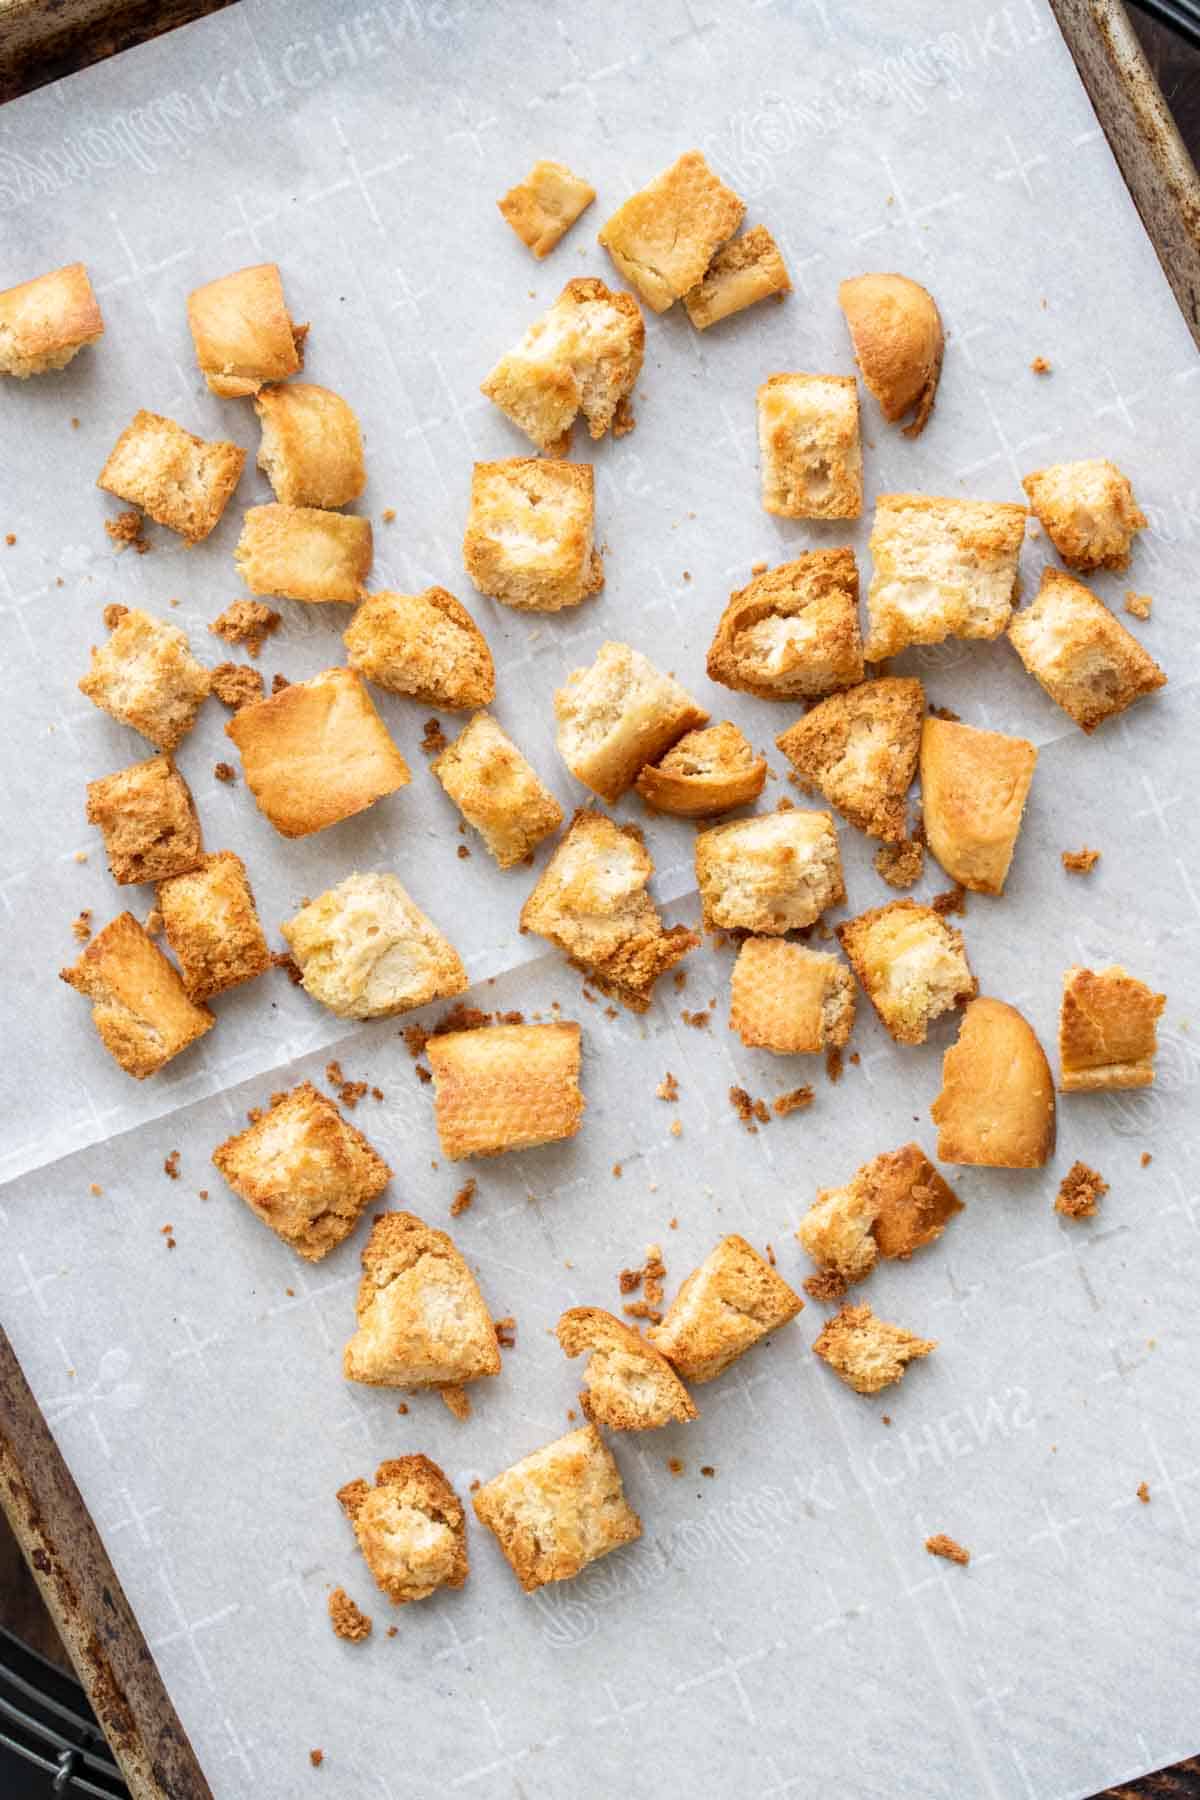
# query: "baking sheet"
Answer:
x=780 y=1626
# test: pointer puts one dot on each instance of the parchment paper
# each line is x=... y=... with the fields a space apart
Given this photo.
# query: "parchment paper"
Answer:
x=780 y=1628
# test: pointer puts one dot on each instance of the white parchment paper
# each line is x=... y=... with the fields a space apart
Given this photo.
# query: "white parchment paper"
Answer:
x=779 y=1629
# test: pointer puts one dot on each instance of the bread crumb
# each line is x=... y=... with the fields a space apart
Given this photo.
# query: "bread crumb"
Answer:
x=202 y=1193
x=113 y=614
x=415 y=1039
x=901 y=865
x=770 y=1251
x=1040 y=366
x=953 y=900
x=280 y=959
x=941 y=1545
x=708 y=1470
x=81 y=856
x=629 y=1280
x=348 y=1092
x=388 y=515
x=795 y=1100
x=224 y=772
x=463 y=853
x=348 y=1620
x=1143 y=1492
x=1138 y=604
x=81 y=927
x=751 y=1112
x=463 y=1198
x=126 y=529
x=675 y=1466
x=699 y=1021
x=834 y=1063
x=95 y=1188
x=171 y=1165
x=316 y=1758
x=392 y=1630
x=10 y=538
x=1081 y=1190
x=236 y=685
x=279 y=682
x=456 y=1400
x=434 y=740
x=1080 y=862
x=642 y=1309
x=759 y=568
x=672 y=1224
x=506 y=1332
x=827 y=1285
x=1147 y=1159
x=677 y=1128
x=74 y=423
x=679 y=978
x=247 y=622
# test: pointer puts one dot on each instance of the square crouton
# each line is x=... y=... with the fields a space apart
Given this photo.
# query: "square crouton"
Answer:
x=996 y=1106
x=723 y=1308
x=789 y=999
x=943 y=568
x=242 y=332
x=630 y=1385
x=422 y=1321
x=771 y=874
x=146 y=677
x=558 y=1510
x=542 y=208
x=582 y=356
x=893 y=1205
x=139 y=1005
x=1108 y=1030
x=311 y=448
x=366 y=951
x=411 y=1528
x=1088 y=512
x=911 y=963
x=497 y=791
x=617 y=715
x=592 y=903
x=505 y=1087
x=149 y=821
x=304 y=553
x=974 y=785
x=811 y=451
x=868 y=1353
x=859 y=749
x=426 y=645
x=745 y=270
x=181 y=481
x=47 y=321
x=529 y=537
x=305 y=1170
x=665 y=236
x=1081 y=653
x=793 y=632
x=316 y=752
x=706 y=772
x=212 y=925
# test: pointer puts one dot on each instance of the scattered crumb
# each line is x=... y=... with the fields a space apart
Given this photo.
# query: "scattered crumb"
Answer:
x=316 y=1758
x=629 y=1280
x=833 y=1063
x=1040 y=366
x=901 y=865
x=654 y=1274
x=95 y=1188
x=941 y=1545
x=826 y=1285
x=618 y=1171
x=672 y=1224
x=642 y=1309
x=679 y=979
x=225 y=771
x=202 y=1193
x=236 y=685
x=463 y=853
x=506 y=1332
x=171 y=1165
x=434 y=740
x=377 y=1093
x=153 y=926
x=81 y=927
x=1147 y=1159
x=854 y=1059
x=10 y=538
x=290 y=1292
x=758 y=568
x=392 y=1630
x=1138 y=604
x=795 y=1100
x=279 y=682
x=74 y=423
x=463 y=1198
x=474 y=1485
x=113 y=614
x=708 y=1470
x=246 y=622
x=748 y=1109
x=1080 y=862
x=1081 y=1190
x=675 y=1466
x=770 y=1249
x=403 y=1407
x=348 y=1092
x=677 y=1128
x=954 y=900
x=388 y=515
x=699 y=1021
x=610 y=1012
x=280 y=959
x=947 y=713
x=423 y=1074
x=1143 y=1492
x=886 y=1419
x=415 y=1039
x=81 y=856
x=125 y=529
x=348 y=1620
x=457 y=1400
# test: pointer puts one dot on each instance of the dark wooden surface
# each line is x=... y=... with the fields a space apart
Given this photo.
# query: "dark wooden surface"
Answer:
x=39 y=42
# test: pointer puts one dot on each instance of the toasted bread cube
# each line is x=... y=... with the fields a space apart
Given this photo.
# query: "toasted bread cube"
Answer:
x=146 y=677
x=1081 y=653
x=242 y=332
x=793 y=631
x=558 y=1510
x=912 y=965
x=665 y=236
x=1108 y=1030
x=47 y=321
x=868 y=1353
x=896 y=331
x=996 y=1107
x=582 y=356
x=745 y=270
x=422 y=1321
x=591 y=901
x=542 y=208
x=771 y=874
x=617 y=715
x=426 y=645
x=1088 y=512
x=139 y=1005
x=529 y=534
x=149 y=821
x=630 y=1385
x=212 y=925
x=316 y=752
x=366 y=951
x=859 y=749
x=497 y=791
x=809 y=442
x=706 y=772
x=305 y=1170
x=836 y=1231
x=722 y=1310
x=943 y=568
x=893 y=1205
x=789 y=999
x=411 y=1528
x=311 y=449
x=974 y=785
x=505 y=1087
x=181 y=481
x=304 y=553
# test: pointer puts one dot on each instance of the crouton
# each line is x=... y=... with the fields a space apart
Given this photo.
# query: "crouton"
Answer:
x=912 y=965
x=630 y=1386
x=770 y=874
x=1108 y=1030
x=859 y=750
x=996 y=1106
x=422 y=1321
x=793 y=632
x=726 y=1305
x=366 y=950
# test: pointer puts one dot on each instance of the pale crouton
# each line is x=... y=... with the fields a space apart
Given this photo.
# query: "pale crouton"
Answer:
x=665 y=236
x=996 y=1106
x=366 y=951
x=543 y=207
x=559 y=1509
x=304 y=553
x=530 y=531
x=497 y=791
x=896 y=331
x=422 y=1321
x=212 y=925
x=149 y=821
x=242 y=332
x=505 y=1087
x=140 y=1007
x=859 y=749
x=943 y=568
x=1088 y=512
x=630 y=1385
x=793 y=632
x=1081 y=653
x=743 y=271
x=789 y=999
x=617 y=715
x=974 y=786
x=706 y=772
x=311 y=449
x=410 y=1527
x=426 y=645
x=770 y=874
x=146 y=677
x=808 y=439
x=868 y=1353
x=912 y=965
x=46 y=322
x=582 y=356
x=726 y=1305
x=1108 y=1030
x=181 y=481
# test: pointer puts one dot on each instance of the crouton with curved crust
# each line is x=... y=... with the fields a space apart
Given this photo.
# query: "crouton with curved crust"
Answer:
x=793 y=631
x=974 y=785
x=896 y=331
x=707 y=772
x=996 y=1107
x=631 y=1386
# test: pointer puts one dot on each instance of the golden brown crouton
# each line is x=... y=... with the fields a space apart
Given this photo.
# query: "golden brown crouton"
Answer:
x=497 y=791
x=145 y=676
x=505 y=1087
x=1088 y=511
x=943 y=568
x=912 y=965
x=706 y=772
x=582 y=356
x=422 y=1321
x=789 y=999
x=859 y=749
x=1108 y=1030
x=631 y=1387
x=148 y=819
x=311 y=449
x=543 y=207
x=771 y=874
x=140 y=1007
x=530 y=532
x=893 y=1205
x=46 y=322
x=996 y=1107
x=808 y=439
x=559 y=1509
x=242 y=332
x=1081 y=653
x=743 y=271
x=426 y=645
x=896 y=331
x=366 y=950
x=726 y=1305
x=183 y=482
x=868 y=1353
x=617 y=715
x=410 y=1527
x=973 y=790
x=793 y=632
x=212 y=925
x=664 y=237
x=304 y=553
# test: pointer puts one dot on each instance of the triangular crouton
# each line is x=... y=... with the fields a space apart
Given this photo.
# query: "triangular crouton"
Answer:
x=723 y=1308
x=859 y=749
x=868 y=1353
x=631 y=1386
x=422 y=1321
x=410 y=1527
